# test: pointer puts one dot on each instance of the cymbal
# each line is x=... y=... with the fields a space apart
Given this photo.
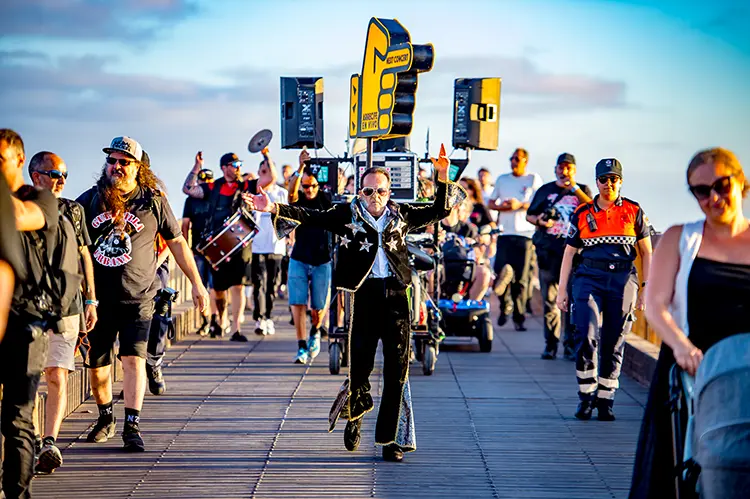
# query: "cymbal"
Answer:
x=260 y=141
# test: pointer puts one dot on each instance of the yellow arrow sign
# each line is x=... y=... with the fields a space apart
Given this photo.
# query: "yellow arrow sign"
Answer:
x=353 y=105
x=387 y=52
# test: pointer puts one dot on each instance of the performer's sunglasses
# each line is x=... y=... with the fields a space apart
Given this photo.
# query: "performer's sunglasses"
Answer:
x=55 y=174
x=721 y=186
x=310 y=186
x=123 y=162
x=611 y=179
x=234 y=164
x=369 y=191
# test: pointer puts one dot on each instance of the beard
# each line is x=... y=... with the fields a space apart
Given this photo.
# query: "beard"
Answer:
x=110 y=197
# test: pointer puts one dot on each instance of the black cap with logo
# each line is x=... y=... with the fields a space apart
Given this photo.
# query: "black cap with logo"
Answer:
x=608 y=166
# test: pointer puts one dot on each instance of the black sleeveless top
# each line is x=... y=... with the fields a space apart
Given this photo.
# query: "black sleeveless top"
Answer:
x=718 y=301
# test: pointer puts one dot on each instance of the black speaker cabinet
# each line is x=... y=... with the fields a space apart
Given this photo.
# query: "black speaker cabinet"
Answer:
x=398 y=144
x=476 y=113
x=301 y=113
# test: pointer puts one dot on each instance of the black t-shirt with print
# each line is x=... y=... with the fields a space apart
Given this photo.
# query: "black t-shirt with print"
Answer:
x=312 y=245
x=554 y=237
x=124 y=257
x=480 y=216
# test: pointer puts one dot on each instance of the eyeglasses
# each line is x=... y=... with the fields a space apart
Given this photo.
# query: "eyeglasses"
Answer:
x=54 y=174
x=369 y=191
x=235 y=164
x=721 y=186
x=123 y=162
x=310 y=186
x=611 y=179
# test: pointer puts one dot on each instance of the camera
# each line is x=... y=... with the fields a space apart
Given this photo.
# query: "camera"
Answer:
x=551 y=213
x=164 y=299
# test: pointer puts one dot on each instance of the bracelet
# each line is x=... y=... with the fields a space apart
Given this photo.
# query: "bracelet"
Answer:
x=575 y=188
x=92 y=302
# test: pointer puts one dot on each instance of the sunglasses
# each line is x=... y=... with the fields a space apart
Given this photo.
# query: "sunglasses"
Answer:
x=611 y=179
x=123 y=162
x=515 y=158
x=310 y=186
x=369 y=191
x=235 y=164
x=721 y=186
x=55 y=174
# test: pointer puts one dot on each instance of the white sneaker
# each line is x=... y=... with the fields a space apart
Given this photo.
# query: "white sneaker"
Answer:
x=270 y=327
x=260 y=327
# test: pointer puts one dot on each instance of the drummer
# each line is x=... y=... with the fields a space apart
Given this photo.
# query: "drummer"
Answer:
x=224 y=198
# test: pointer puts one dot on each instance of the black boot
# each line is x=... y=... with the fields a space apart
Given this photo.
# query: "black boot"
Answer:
x=393 y=452
x=604 y=410
x=585 y=408
x=352 y=435
x=156 y=383
x=550 y=352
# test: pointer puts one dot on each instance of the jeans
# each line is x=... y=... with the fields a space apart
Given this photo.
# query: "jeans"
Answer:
x=23 y=354
x=313 y=278
x=264 y=268
x=554 y=319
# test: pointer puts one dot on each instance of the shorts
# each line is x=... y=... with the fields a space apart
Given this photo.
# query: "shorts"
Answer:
x=62 y=345
x=315 y=277
x=130 y=322
x=204 y=270
x=230 y=273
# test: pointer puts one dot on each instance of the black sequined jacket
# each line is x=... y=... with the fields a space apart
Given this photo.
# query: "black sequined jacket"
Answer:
x=358 y=238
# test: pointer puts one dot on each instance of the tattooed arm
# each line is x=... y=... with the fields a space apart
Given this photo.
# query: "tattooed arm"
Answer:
x=191 y=187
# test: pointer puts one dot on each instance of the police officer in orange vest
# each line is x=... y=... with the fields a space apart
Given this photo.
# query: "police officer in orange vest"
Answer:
x=607 y=232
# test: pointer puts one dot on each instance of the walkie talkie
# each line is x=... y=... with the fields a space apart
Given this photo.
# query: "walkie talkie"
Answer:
x=591 y=221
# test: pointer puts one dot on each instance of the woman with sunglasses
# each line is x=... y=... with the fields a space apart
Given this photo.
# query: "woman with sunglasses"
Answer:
x=607 y=232
x=699 y=295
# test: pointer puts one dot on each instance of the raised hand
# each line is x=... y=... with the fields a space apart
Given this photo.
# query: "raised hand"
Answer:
x=260 y=202
x=442 y=163
x=304 y=156
x=199 y=159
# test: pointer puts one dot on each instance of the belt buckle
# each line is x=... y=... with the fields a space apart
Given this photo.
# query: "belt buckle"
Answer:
x=611 y=266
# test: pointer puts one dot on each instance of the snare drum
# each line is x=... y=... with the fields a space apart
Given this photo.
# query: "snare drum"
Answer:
x=234 y=235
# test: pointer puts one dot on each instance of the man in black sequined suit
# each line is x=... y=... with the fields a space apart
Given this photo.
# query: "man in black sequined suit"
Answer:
x=373 y=263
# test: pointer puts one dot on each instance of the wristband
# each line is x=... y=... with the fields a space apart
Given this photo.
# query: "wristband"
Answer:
x=92 y=302
x=575 y=188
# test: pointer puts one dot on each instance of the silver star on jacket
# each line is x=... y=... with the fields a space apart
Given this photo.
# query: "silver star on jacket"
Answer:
x=345 y=241
x=355 y=227
x=365 y=246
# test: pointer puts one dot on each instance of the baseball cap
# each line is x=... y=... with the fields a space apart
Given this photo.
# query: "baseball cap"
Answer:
x=229 y=157
x=126 y=145
x=608 y=166
x=205 y=174
x=566 y=157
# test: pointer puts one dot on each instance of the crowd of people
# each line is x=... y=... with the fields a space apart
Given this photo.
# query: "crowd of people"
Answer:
x=88 y=272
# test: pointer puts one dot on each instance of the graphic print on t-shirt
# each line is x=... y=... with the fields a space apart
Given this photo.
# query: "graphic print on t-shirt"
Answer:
x=565 y=206
x=114 y=247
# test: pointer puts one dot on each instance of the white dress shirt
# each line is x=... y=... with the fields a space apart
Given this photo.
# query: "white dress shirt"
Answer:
x=380 y=268
x=265 y=241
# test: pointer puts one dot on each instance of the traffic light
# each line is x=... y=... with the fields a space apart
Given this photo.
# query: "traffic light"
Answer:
x=383 y=96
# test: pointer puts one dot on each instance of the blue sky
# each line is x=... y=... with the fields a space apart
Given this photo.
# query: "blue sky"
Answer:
x=649 y=83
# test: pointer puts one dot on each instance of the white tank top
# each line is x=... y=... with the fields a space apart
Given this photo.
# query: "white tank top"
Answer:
x=690 y=243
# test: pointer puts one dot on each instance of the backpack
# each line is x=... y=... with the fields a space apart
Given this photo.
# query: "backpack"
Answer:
x=54 y=270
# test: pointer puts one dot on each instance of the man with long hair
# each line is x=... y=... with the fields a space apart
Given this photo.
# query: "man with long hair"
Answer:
x=126 y=210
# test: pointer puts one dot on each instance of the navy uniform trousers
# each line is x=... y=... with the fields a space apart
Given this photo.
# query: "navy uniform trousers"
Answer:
x=603 y=304
x=381 y=313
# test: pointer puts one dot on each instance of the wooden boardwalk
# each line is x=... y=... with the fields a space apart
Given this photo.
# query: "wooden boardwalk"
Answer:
x=241 y=421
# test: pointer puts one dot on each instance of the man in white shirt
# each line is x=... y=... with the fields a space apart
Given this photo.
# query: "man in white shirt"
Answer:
x=511 y=197
x=268 y=251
